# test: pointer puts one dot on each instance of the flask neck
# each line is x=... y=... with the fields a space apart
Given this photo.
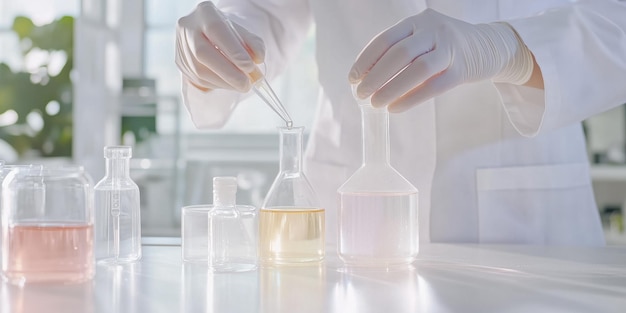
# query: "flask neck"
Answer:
x=291 y=149
x=375 y=127
x=118 y=168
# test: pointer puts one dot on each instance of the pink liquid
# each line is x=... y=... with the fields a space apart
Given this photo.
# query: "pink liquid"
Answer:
x=37 y=253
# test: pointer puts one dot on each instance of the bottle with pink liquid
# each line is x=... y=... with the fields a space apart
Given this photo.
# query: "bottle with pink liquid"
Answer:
x=47 y=225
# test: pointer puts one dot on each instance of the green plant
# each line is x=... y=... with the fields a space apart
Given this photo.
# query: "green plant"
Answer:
x=30 y=92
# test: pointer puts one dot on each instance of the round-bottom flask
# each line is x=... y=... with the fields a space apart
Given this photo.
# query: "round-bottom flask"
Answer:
x=291 y=221
x=378 y=225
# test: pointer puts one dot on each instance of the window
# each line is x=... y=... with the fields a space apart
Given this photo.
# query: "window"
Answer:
x=40 y=11
x=34 y=116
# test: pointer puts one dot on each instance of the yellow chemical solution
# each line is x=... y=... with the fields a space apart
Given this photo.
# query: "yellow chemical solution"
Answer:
x=291 y=235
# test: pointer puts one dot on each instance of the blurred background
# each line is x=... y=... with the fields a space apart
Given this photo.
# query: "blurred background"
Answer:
x=76 y=75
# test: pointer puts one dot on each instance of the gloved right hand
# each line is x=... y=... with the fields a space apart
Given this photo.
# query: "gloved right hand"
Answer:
x=430 y=53
x=210 y=56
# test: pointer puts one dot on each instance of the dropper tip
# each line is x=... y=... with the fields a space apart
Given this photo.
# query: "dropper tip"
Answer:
x=289 y=124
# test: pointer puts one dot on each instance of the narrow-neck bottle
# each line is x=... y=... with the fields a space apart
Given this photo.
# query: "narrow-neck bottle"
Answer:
x=232 y=230
x=118 y=212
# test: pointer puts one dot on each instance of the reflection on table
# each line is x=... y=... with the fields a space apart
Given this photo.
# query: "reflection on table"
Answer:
x=446 y=278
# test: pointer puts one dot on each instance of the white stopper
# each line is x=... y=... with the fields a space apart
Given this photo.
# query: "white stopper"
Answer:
x=224 y=190
x=118 y=152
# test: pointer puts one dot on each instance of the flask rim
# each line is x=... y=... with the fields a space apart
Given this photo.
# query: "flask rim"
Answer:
x=292 y=129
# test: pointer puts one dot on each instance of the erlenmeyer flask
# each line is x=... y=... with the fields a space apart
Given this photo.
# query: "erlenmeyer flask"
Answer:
x=291 y=220
x=377 y=206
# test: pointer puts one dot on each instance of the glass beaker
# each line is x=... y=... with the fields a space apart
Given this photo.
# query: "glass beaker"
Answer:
x=117 y=209
x=222 y=235
x=291 y=219
x=378 y=223
x=47 y=225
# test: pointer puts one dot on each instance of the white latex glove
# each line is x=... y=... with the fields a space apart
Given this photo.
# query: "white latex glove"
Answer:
x=430 y=53
x=210 y=56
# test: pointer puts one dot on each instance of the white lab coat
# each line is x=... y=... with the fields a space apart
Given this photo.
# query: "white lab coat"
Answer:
x=493 y=163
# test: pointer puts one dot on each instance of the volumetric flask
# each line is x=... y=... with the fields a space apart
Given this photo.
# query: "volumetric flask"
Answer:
x=222 y=235
x=117 y=209
x=291 y=219
x=378 y=224
x=47 y=225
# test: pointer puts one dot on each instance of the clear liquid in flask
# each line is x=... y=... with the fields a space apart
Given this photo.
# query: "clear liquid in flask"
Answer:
x=378 y=228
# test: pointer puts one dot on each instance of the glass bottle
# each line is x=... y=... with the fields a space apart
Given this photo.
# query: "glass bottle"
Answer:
x=232 y=230
x=291 y=219
x=47 y=225
x=118 y=220
x=378 y=223
x=222 y=235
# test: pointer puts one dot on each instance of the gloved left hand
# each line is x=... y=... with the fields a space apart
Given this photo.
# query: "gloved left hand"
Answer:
x=430 y=53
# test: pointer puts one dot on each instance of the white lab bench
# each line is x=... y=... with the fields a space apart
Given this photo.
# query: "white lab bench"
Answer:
x=446 y=278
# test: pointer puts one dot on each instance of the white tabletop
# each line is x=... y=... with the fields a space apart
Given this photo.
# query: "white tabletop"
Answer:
x=447 y=278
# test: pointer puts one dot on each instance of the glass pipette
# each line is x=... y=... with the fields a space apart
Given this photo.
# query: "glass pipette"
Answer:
x=260 y=85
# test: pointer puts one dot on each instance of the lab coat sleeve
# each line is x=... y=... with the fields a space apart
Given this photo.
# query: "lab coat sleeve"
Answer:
x=282 y=24
x=581 y=51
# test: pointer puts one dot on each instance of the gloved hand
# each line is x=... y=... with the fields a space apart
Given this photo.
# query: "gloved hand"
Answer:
x=210 y=55
x=432 y=53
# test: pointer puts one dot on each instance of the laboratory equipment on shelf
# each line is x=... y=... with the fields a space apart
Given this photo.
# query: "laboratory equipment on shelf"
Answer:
x=291 y=219
x=378 y=223
x=259 y=83
x=117 y=209
x=47 y=225
x=222 y=235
